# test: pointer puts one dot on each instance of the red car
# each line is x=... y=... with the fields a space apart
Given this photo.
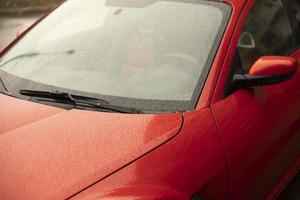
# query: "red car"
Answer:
x=152 y=100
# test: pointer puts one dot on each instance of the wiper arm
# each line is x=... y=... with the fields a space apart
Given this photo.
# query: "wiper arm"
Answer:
x=77 y=100
x=35 y=54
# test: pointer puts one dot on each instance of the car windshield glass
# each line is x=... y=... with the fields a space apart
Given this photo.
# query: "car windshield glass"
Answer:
x=151 y=55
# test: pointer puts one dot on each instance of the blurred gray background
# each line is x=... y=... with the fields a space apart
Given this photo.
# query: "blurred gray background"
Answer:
x=18 y=14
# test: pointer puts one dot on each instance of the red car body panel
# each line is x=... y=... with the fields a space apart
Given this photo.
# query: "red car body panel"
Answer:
x=61 y=152
x=222 y=54
x=268 y=144
x=264 y=142
x=243 y=147
x=10 y=117
x=274 y=65
x=197 y=147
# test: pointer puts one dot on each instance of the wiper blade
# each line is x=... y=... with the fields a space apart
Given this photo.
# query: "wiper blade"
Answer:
x=77 y=100
x=35 y=54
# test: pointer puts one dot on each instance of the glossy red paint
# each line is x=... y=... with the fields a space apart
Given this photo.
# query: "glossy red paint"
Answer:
x=45 y=159
x=31 y=113
x=243 y=147
x=222 y=54
x=191 y=162
x=273 y=65
x=259 y=130
x=296 y=55
x=264 y=142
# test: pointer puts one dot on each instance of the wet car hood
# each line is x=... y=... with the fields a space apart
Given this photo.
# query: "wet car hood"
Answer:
x=51 y=153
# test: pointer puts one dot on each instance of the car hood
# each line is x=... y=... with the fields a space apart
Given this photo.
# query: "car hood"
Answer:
x=51 y=153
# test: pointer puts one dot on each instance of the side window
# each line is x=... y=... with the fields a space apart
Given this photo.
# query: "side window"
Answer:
x=267 y=32
x=295 y=13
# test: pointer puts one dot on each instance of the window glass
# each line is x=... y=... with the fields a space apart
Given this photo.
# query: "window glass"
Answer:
x=295 y=8
x=142 y=54
x=267 y=32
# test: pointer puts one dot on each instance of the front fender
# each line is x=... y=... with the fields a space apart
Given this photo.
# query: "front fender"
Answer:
x=140 y=192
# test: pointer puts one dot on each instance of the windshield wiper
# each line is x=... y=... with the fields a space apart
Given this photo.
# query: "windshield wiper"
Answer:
x=77 y=100
x=35 y=54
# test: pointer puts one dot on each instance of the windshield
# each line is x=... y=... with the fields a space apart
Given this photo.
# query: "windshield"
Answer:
x=151 y=55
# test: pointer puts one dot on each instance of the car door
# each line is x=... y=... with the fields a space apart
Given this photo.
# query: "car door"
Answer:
x=259 y=127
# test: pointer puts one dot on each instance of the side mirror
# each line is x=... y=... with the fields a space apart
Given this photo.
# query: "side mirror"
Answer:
x=267 y=70
x=20 y=32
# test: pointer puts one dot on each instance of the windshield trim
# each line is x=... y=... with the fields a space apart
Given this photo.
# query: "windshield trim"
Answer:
x=215 y=47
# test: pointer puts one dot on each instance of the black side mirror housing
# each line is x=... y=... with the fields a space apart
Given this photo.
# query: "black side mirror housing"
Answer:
x=267 y=70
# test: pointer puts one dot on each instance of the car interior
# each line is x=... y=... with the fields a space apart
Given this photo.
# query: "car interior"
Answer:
x=295 y=6
x=268 y=29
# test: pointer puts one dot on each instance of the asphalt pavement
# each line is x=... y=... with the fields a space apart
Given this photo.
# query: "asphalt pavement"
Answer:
x=9 y=27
